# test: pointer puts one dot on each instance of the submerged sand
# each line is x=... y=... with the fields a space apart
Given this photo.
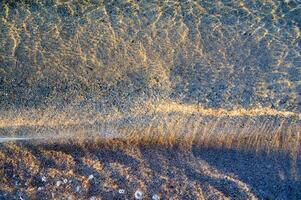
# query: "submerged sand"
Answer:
x=222 y=78
x=117 y=170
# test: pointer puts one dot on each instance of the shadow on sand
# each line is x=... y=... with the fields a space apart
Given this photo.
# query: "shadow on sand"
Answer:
x=269 y=175
x=168 y=172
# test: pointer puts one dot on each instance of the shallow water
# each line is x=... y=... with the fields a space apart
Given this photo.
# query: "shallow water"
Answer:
x=217 y=55
x=221 y=79
x=112 y=59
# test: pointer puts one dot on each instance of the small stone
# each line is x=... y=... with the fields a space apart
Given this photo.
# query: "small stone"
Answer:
x=40 y=188
x=155 y=197
x=44 y=179
x=77 y=188
x=65 y=181
x=90 y=177
x=93 y=198
x=58 y=183
x=121 y=191
x=138 y=194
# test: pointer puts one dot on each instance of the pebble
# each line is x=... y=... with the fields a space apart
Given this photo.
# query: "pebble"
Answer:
x=91 y=177
x=138 y=194
x=155 y=197
x=58 y=183
x=121 y=191
x=44 y=179
x=65 y=181
x=77 y=188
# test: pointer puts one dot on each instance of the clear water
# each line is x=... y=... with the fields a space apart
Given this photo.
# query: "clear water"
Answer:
x=65 y=63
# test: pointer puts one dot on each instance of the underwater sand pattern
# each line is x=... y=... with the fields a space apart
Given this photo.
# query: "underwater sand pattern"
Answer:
x=176 y=99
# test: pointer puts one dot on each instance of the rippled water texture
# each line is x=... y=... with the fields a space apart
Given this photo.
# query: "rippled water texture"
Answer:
x=63 y=63
x=202 y=99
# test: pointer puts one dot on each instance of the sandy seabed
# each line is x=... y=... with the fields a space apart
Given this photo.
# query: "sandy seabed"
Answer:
x=172 y=152
x=115 y=169
x=191 y=99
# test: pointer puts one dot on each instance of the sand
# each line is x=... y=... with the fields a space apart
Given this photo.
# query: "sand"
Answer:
x=102 y=170
x=150 y=99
